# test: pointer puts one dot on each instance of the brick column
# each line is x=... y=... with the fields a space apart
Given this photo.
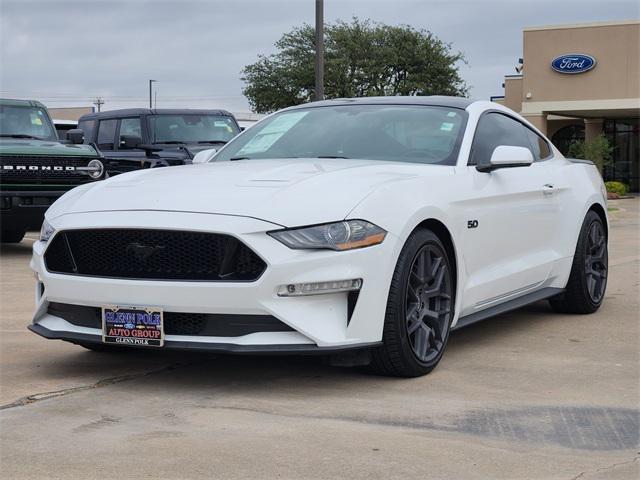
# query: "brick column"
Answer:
x=592 y=128
x=539 y=120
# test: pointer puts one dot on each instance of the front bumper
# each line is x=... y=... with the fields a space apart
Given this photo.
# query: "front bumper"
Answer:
x=24 y=210
x=318 y=324
x=274 y=349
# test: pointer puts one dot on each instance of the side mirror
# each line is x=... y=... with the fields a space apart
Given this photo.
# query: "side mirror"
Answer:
x=129 y=142
x=204 y=156
x=75 y=136
x=506 y=156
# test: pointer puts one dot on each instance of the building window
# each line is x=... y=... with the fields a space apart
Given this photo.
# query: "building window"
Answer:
x=564 y=137
x=623 y=136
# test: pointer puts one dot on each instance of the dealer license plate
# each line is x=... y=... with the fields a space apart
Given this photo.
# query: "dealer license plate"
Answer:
x=137 y=326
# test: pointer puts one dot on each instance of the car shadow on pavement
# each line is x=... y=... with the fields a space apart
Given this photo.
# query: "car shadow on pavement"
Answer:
x=188 y=371
x=505 y=324
x=258 y=365
x=305 y=387
x=22 y=249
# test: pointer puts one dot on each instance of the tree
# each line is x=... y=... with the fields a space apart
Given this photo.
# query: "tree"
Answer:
x=598 y=150
x=362 y=58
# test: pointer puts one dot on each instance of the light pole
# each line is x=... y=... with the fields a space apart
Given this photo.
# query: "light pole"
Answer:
x=98 y=102
x=319 y=50
x=150 y=93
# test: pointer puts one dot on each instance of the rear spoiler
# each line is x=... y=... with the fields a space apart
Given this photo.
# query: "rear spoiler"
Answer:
x=580 y=160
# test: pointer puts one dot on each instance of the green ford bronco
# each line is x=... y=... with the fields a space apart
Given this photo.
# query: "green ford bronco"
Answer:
x=35 y=167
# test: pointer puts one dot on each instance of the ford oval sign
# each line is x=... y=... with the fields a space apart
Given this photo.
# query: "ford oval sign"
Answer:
x=573 y=63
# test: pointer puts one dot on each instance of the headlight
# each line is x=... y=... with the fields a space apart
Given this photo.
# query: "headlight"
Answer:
x=46 y=231
x=97 y=168
x=344 y=235
x=94 y=168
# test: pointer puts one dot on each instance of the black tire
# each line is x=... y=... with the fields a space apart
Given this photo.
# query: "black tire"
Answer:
x=588 y=278
x=11 y=236
x=419 y=309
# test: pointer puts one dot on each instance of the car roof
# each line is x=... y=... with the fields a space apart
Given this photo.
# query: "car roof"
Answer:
x=132 y=112
x=20 y=103
x=431 y=100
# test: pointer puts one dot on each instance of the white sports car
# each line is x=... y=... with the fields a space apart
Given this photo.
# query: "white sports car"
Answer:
x=371 y=226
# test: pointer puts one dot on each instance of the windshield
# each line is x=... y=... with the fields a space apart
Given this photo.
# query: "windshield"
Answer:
x=191 y=128
x=401 y=133
x=25 y=122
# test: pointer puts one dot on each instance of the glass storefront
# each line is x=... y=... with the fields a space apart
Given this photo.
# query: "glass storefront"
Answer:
x=623 y=136
x=565 y=136
x=625 y=140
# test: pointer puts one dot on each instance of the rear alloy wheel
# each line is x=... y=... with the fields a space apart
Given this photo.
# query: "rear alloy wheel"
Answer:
x=419 y=309
x=588 y=279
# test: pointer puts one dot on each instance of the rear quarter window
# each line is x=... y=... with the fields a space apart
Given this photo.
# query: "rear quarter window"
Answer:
x=539 y=146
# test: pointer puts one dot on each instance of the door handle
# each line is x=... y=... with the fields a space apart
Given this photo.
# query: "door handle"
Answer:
x=548 y=189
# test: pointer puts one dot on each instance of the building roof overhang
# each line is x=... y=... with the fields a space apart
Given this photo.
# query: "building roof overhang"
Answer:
x=609 y=108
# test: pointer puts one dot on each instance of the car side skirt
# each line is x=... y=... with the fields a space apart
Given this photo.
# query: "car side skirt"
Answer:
x=508 y=306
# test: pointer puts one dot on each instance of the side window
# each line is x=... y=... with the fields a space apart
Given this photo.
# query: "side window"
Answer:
x=131 y=127
x=540 y=147
x=88 y=127
x=495 y=129
x=106 y=134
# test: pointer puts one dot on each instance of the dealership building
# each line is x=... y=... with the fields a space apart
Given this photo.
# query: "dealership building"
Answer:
x=576 y=82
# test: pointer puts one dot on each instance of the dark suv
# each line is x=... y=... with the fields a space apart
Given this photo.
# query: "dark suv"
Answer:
x=36 y=168
x=137 y=138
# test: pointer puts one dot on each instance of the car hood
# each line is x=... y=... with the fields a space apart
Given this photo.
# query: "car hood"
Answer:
x=17 y=146
x=286 y=192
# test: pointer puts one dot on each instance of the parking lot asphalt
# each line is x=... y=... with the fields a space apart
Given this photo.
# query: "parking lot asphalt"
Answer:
x=528 y=394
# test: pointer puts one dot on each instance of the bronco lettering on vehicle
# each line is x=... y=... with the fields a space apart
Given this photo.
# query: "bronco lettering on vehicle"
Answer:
x=56 y=168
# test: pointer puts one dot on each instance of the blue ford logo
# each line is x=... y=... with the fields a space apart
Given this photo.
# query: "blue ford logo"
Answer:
x=129 y=325
x=573 y=63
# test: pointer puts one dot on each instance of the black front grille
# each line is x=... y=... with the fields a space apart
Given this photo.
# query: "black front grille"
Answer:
x=42 y=169
x=152 y=254
x=178 y=323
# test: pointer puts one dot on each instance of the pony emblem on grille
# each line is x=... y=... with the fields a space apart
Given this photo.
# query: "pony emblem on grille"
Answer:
x=142 y=252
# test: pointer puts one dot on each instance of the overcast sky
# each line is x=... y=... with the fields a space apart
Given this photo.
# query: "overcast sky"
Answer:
x=64 y=53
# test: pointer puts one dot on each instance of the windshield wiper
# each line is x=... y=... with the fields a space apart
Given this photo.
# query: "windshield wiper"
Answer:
x=212 y=141
x=330 y=156
x=233 y=159
x=19 y=135
x=171 y=142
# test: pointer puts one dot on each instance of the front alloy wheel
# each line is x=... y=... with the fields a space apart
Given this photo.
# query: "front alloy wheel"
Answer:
x=419 y=309
x=428 y=303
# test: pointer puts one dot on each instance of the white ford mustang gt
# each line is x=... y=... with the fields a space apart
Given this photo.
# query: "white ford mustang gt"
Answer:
x=370 y=226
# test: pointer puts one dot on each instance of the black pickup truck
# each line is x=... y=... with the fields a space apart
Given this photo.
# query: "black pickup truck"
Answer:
x=35 y=167
x=137 y=138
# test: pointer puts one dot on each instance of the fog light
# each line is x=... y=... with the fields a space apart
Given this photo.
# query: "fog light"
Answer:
x=319 y=288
